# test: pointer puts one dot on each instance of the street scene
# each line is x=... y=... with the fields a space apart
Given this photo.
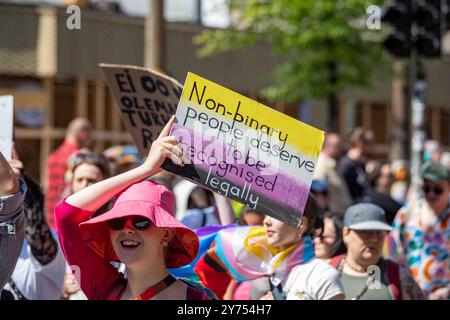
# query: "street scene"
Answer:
x=224 y=150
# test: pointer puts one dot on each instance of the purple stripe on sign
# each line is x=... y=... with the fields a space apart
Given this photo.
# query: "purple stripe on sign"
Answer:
x=214 y=157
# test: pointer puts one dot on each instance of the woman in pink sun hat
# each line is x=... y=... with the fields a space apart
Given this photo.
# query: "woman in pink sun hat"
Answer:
x=140 y=231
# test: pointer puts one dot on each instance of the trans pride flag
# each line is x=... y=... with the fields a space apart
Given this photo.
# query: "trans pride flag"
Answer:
x=206 y=236
x=242 y=252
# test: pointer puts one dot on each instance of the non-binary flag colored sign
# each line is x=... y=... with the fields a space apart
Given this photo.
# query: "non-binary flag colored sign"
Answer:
x=146 y=98
x=6 y=126
x=244 y=150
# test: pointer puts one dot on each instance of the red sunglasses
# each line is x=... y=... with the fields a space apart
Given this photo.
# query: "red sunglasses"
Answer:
x=139 y=223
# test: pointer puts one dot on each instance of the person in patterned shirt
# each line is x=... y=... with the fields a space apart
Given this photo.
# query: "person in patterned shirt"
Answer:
x=422 y=233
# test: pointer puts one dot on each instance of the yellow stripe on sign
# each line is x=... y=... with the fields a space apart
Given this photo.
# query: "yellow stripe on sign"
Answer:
x=211 y=98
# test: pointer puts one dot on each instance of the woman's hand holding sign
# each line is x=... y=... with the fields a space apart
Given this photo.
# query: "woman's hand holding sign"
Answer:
x=164 y=147
x=96 y=195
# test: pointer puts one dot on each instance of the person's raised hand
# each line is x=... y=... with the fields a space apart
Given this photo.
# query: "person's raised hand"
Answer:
x=164 y=147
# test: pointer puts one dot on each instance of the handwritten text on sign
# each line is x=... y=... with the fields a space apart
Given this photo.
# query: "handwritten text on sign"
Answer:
x=146 y=99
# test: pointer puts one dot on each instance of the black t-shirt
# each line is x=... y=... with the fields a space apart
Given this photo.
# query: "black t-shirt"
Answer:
x=354 y=174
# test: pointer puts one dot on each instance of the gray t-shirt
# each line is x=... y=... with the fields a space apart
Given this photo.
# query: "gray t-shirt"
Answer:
x=12 y=231
x=354 y=285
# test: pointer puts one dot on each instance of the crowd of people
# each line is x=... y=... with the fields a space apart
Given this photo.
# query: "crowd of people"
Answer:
x=115 y=226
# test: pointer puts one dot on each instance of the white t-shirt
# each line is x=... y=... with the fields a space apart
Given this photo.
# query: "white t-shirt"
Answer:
x=36 y=281
x=314 y=280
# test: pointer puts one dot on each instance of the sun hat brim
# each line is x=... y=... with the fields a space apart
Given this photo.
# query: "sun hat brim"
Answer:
x=182 y=249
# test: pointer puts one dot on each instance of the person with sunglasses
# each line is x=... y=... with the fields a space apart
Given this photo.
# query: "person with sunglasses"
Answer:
x=421 y=233
x=328 y=240
x=140 y=231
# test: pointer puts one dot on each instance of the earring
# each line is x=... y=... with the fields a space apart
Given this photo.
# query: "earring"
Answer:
x=164 y=243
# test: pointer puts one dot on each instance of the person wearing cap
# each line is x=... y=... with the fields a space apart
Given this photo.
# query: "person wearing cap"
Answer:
x=365 y=274
x=421 y=233
x=140 y=231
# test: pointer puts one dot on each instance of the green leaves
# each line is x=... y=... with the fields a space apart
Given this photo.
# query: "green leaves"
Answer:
x=309 y=35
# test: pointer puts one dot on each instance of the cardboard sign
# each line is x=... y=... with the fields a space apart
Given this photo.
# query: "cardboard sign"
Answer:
x=6 y=126
x=237 y=147
x=146 y=99
x=244 y=150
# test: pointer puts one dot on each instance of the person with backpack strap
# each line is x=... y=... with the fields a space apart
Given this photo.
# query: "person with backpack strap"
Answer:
x=364 y=273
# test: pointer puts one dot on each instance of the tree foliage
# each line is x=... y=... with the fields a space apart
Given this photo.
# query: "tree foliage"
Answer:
x=309 y=36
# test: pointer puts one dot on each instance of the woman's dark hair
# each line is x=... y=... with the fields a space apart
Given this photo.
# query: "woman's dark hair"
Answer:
x=89 y=157
x=200 y=198
x=241 y=220
x=311 y=212
x=338 y=246
x=375 y=174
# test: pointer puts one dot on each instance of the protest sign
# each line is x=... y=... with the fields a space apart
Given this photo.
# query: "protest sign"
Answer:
x=244 y=150
x=6 y=126
x=146 y=99
x=237 y=147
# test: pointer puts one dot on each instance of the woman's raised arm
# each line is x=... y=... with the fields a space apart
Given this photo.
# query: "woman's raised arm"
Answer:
x=96 y=195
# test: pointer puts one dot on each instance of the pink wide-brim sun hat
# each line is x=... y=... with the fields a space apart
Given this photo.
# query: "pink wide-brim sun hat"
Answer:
x=152 y=201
